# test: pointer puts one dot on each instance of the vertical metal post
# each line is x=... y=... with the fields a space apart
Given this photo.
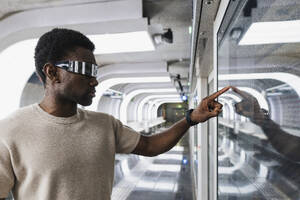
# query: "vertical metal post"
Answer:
x=202 y=145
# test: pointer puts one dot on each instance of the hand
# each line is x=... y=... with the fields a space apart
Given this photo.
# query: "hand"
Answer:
x=248 y=107
x=208 y=107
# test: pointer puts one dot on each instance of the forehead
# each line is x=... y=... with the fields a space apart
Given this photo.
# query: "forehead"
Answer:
x=81 y=54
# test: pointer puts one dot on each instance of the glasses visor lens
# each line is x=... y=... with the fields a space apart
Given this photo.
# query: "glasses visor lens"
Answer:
x=84 y=68
x=90 y=69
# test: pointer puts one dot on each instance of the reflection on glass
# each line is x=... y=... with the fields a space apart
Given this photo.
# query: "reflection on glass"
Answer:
x=259 y=129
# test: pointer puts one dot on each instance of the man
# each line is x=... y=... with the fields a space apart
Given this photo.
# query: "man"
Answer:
x=54 y=150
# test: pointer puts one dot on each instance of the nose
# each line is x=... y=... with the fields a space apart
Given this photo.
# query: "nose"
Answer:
x=93 y=82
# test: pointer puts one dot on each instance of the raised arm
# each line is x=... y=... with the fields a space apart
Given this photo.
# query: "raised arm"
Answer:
x=162 y=142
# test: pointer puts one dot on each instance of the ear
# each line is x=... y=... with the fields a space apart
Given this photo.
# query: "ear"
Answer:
x=51 y=73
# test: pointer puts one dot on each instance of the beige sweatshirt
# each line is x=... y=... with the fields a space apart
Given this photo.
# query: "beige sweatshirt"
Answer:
x=43 y=157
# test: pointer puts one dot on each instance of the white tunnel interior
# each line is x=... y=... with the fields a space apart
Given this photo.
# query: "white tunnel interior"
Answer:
x=135 y=80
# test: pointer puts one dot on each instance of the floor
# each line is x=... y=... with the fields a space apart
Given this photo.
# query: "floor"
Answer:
x=164 y=177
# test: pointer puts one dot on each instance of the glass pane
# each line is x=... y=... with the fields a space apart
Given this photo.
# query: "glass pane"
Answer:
x=259 y=129
x=195 y=102
x=211 y=151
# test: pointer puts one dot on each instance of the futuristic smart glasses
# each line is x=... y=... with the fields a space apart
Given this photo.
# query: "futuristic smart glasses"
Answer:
x=84 y=68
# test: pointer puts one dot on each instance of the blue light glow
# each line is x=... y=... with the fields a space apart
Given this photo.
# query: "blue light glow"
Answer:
x=184 y=97
x=184 y=161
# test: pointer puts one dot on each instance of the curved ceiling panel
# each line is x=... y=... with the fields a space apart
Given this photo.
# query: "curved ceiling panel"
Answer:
x=290 y=79
x=128 y=98
x=147 y=98
x=157 y=103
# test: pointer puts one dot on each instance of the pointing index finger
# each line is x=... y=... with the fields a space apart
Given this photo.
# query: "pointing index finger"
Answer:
x=243 y=94
x=218 y=93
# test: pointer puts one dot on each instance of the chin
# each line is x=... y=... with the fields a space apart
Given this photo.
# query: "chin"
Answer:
x=86 y=102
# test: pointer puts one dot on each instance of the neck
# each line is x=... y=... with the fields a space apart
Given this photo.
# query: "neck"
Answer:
x=58 y=107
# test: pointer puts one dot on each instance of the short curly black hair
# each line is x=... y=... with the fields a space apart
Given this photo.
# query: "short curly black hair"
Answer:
x=55 y=45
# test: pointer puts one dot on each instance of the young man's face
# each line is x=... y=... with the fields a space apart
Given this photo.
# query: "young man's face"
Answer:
x=77 y=87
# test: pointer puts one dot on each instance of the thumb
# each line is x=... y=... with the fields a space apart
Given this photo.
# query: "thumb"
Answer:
x=214 y=113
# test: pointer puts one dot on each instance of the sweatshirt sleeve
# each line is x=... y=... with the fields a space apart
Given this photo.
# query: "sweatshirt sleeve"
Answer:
x=6 y=171
x=126 y=138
